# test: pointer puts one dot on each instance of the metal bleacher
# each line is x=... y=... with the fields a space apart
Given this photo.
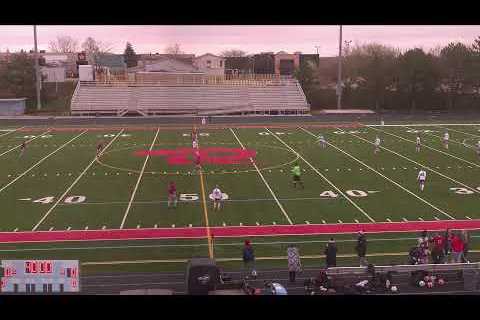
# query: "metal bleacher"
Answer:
x=278 y=96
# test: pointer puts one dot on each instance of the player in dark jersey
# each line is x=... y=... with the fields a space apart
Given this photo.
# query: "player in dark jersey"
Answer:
x=23 y=147
x=172 y=194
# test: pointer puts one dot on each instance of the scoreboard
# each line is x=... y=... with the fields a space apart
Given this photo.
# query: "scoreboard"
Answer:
x=39 y=276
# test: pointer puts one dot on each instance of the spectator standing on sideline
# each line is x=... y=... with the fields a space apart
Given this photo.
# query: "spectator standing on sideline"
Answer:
x=361 y=248
x=331 y=253
x=249 y=258
x=448 y=244
x=294 y=264
x=423 y=245
x=466 y=240
x=457 y=249
x=438 y=253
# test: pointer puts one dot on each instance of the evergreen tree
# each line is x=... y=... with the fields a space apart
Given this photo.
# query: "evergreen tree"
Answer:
x=130 y=56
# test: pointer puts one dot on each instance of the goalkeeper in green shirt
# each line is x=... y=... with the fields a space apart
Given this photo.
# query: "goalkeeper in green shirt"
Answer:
x=296 y=171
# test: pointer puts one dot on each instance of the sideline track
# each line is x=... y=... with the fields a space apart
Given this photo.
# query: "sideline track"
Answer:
x=236 y=231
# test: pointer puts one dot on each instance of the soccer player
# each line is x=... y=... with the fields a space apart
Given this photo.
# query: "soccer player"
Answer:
x=194 y=134
x=217 y=198
x=417 y=148
x=204 y=121
x=446 y=136
x=377 y=145
x=322 y=141
x=296 y=172
x=172 y=194
x=196 y=160
x=422 y=175
x=23 y=146
x=99 y=148
x=195 y=144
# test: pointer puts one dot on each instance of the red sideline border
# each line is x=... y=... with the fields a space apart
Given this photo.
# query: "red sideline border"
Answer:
x=235 y=231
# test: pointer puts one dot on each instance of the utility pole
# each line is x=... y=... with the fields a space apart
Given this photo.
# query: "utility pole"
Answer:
x=318 y=47
x=339 y=82
x=37 y=71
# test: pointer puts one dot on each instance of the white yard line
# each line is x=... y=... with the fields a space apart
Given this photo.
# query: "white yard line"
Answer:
x=73 y=184
x=40 y=161
x=383 y=176
x=138 y=181
x=428 y=147
x=440 y=137
x=27 y=141
x=417 y=163
x=424 y=124
x=264 y=181
x=11 y=131
x=323 y=177
x=466 y=133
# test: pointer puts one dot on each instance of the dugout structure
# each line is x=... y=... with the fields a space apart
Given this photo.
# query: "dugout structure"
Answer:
x=191 y=94
x=12 y=107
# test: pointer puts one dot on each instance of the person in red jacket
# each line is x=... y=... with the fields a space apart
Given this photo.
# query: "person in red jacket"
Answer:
x=457 y=248
x=438 y=244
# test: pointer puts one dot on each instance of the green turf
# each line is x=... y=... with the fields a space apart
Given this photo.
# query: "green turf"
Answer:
x=109 y=184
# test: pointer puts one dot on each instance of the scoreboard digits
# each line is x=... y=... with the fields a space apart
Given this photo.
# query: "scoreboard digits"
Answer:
x=39 y=276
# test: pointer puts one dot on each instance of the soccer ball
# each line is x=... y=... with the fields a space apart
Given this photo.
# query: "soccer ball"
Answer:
x=421 y=283
x=430 y=284
x=394 y=288
x=441 y=281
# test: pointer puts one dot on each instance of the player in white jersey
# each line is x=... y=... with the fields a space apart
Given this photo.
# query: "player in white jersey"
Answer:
x=446 y=137
x=417 y=145
x=422 y=175
x=322 y=141
x=217 y=198
x=377 y=145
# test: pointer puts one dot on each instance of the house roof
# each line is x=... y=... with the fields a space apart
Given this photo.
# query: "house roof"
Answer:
x=209 y=54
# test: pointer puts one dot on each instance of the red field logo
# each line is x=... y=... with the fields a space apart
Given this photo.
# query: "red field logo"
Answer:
x=211 y=155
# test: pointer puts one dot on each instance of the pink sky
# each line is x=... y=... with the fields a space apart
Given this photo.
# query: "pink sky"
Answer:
x=252 y=39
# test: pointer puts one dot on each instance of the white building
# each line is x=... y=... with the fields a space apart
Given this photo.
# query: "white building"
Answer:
x=53 y=74
x=210 y=64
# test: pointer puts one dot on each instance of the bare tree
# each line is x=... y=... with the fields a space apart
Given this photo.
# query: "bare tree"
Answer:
x=90 y=45
x=233 y=53
x=63 y=44
x=173 y=50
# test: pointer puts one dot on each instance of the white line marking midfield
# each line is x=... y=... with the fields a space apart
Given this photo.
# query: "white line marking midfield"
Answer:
x=321 y=175
x=264 y=181
x=73 y=184
x=138 y=181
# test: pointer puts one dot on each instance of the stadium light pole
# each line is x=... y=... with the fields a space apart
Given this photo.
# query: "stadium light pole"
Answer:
x=339 y=81
x=37 y=73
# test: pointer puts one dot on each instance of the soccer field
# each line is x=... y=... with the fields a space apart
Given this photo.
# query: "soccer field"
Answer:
x=58 y=187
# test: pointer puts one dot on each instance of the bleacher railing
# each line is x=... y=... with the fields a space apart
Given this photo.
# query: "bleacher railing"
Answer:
x=405 y=268
x=244 y=80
